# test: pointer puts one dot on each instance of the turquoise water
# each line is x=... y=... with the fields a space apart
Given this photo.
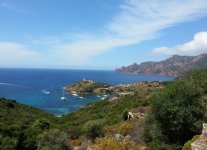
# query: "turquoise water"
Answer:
x=42 y=88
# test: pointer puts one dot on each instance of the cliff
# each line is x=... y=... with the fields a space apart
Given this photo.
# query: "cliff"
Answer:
x=173 y=66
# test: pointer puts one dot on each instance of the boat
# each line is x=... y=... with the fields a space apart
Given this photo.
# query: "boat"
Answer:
x=45 y=92
x=103 y=98
x=63 y=97
x=81 y=97
x=74 y=94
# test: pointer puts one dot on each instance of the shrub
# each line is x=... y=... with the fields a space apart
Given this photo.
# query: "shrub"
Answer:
x=177 y=112
x=10 y=104
x=53 y=140
x=109 y=143
x=93 y=129
x=75 y=142
x=42 y=124
x=7 y=143
x=125 y=115
x=73 y=132
x=124 y=128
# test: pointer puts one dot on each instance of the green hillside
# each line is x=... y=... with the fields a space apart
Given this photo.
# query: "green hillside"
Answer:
x=176 y=110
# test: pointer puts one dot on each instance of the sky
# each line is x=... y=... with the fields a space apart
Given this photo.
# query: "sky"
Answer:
x=99 y=34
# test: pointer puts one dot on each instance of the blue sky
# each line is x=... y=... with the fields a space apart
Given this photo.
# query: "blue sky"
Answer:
x=99 y=34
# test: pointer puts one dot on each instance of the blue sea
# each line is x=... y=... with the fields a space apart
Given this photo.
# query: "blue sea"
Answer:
x=42 y=88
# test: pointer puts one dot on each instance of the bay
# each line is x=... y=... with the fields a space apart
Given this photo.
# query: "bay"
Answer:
x=42 y=88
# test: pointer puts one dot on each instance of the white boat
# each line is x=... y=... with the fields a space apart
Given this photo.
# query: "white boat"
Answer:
x=63 y=97
x=46 y=92
x=103 y=98
x=74 y=94
x=81 y=97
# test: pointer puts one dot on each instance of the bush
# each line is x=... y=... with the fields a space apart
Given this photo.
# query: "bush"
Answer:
x=75 y=142
x=108 y=143
x=125 y=115
x=93 y=129
x=7 y=143
x=177 y=112
x=124 y=128
x=156 y=145
x=73 y=132
x=53 y=140
x=10 y=105
x=42 y=124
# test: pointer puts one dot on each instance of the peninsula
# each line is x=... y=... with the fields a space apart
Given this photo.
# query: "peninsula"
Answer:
x=96 y=88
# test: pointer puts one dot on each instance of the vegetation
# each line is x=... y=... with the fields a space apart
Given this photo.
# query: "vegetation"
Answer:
x=187 y=145
x=97 y=88
x=88 y=87
x=17 y=125
x=113 y=144
x=20 y=125
x=107 y=111
x=53 y=140
x=177 y=112
x=93 y=129
x=175 y=115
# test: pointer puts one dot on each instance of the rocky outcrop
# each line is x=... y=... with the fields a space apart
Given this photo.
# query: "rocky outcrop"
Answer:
x=102 y=89
x=173 y=66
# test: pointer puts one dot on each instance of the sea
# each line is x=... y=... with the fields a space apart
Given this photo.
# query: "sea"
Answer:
x=43 y=88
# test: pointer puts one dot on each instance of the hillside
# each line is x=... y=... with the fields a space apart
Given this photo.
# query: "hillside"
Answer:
x=17 y=125
x=177 y=109
x=21 y=125
x=173 y=66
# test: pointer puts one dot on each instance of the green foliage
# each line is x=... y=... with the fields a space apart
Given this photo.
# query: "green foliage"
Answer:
x=152 y=130
x=53 y=139
x=73 y=132
x=7 y=143
x=156 y=145
x=177 y=111
x=111 y=111
x=93 y=129
x=125 y=115
x=41 y=124
x=16 y=125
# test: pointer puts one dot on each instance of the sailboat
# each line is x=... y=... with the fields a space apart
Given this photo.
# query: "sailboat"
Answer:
x=63 y=97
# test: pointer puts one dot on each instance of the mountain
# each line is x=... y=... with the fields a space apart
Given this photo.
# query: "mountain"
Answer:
x=173 y=66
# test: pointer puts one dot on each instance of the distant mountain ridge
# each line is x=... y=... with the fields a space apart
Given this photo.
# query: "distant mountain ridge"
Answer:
x=173 y=66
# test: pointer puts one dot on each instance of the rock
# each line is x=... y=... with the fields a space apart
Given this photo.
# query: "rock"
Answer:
x=119 y=137
x=128 y=137
x=201 y=143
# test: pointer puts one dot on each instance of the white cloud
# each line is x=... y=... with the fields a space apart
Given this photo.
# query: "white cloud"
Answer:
x=16 y=54
x=197 y=46
x=138 y=20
